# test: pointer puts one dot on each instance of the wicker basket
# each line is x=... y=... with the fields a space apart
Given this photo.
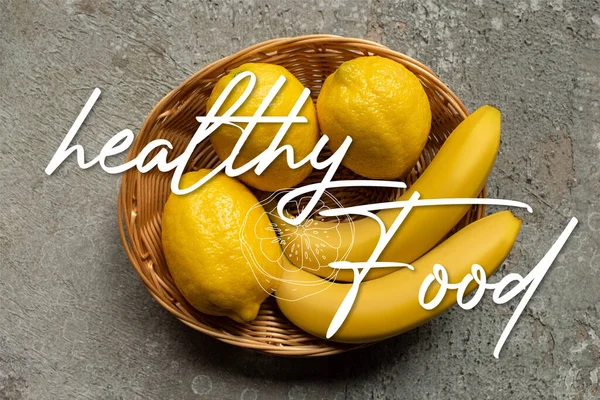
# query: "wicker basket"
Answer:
x=311 y=59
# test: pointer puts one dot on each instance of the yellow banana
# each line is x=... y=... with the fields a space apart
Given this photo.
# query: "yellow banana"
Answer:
x=459 y=170
x=389 y=305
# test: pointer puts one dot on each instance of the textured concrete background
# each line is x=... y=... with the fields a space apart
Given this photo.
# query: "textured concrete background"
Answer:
x=77 y=322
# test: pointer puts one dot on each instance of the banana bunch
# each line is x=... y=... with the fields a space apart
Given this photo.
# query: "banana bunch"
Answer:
x=388 y=303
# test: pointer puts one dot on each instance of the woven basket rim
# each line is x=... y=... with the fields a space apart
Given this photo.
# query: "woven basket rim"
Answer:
x=126 y=218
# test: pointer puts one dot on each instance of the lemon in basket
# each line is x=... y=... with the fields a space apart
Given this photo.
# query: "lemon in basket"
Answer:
x=384 y=108
x=202 y=237
x=302 y=137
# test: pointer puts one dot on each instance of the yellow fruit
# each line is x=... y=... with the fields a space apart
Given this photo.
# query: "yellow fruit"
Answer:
x=203 y=238
x=389 y=305
x=301 y=136
x=460 y=169
x=384 y=108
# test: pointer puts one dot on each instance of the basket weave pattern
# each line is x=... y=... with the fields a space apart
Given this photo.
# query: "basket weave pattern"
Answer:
x=142 y=196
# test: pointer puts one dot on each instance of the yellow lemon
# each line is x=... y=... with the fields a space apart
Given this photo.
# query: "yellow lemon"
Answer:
x=302 y=137
x=212 y=250
x=384 y=108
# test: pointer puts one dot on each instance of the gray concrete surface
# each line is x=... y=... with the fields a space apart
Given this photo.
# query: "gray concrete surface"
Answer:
x=76 y=321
